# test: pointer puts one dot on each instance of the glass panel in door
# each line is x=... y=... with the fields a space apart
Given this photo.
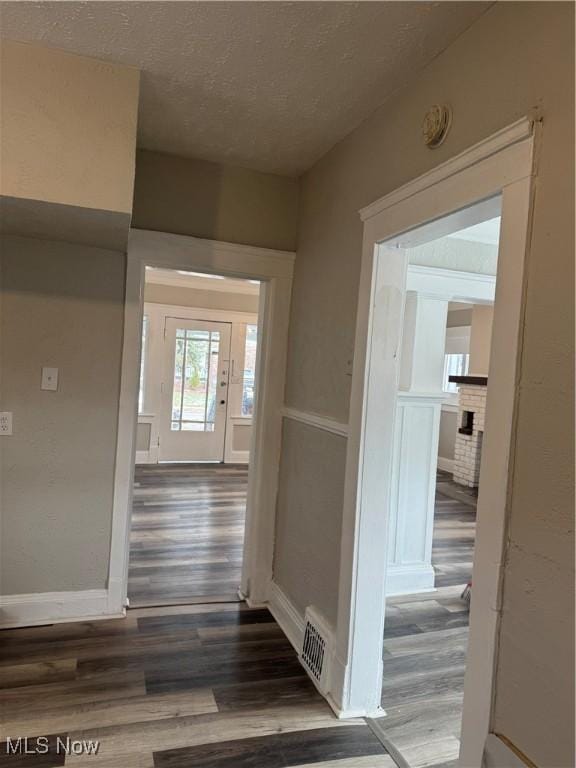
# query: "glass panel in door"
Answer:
x=195 y=400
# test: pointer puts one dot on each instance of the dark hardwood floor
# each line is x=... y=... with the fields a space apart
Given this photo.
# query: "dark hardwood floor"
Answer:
x=196 y=686
x=187 y=533
x=425 y=643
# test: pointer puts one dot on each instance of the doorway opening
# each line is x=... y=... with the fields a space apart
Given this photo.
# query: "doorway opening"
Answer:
x=497 y=170
x=438 y=435
x=197 y=383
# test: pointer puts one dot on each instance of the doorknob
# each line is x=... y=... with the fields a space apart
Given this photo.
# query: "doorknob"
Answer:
x=222 y=402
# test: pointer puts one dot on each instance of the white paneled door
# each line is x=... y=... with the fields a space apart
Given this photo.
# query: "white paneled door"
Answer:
x=194 y=390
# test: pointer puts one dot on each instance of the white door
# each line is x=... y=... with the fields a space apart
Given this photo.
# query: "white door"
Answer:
x=194 y=390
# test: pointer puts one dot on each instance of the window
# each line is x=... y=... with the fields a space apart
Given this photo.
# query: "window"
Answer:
x=249 y=370
x=454 y=365
x=143 y=364
x=194 y=385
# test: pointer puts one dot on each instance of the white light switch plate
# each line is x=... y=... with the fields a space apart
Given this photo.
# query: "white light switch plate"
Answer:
x=6 y=423
x=49 y=379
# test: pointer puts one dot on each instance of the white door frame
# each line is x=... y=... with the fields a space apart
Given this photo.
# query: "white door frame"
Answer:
x=500 y=165
x=274 y=270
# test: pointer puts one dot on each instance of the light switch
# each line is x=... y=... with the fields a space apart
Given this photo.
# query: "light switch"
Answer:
x=6 y=423
x=49 y=379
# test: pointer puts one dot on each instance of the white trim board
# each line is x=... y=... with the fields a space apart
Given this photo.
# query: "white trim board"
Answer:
x=274 y=270
x=497 y=171
x=451 y=284
x=315 y=420
x=201 y=313
x=289 y=619
x=55 y=608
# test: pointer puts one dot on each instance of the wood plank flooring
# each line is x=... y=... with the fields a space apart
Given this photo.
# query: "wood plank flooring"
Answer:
x=194 y=686
x=425 y=643
x=187 y=533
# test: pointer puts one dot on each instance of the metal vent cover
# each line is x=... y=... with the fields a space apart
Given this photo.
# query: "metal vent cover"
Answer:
x=315 y=654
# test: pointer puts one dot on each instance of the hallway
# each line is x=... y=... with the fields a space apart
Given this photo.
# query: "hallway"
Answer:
x=187 y=533
x=209 y=686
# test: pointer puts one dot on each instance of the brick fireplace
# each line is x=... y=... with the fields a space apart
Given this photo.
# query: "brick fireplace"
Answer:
x=471 y=415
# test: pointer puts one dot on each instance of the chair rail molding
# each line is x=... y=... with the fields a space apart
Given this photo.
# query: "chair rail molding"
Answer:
x=324 y=423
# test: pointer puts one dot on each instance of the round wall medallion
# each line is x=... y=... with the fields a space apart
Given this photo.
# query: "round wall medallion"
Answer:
x=436 y=124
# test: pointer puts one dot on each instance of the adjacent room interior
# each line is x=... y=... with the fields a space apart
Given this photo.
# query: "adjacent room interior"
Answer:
x=195 y=412
x=444 y=366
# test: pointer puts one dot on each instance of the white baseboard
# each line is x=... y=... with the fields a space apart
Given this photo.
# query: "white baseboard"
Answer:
x=287 y=615
x=55 y=608
x=498 y=754
x=406 y=580
x=446 y=464
x=292 y=624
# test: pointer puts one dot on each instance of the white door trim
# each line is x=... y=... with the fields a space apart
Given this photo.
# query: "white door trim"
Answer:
x=274 y=269
x=500 y=165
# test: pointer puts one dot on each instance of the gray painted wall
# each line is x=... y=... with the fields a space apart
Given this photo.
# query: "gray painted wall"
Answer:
x=516 y=56
x=61 y=306
x=215 y=201
x=308 y=522
x=458 y=318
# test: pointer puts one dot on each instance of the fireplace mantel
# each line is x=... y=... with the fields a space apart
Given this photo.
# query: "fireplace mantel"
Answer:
x=478 y=381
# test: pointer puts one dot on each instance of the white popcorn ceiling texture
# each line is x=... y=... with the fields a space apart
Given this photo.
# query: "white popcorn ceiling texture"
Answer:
x=265 y=85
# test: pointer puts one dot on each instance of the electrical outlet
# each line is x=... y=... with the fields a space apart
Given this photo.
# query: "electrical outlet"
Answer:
x=5 y=423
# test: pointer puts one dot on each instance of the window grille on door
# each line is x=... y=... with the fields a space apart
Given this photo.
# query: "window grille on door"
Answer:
x=195 y=380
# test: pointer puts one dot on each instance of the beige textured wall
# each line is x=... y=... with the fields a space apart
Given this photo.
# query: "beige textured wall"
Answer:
x=480 y=339
x=192 y=297
x=218 y=202
x=517 y=56
x=68 y=127
x=62 y=306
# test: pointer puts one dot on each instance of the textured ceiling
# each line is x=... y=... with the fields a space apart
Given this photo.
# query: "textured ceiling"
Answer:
x=266 y=85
